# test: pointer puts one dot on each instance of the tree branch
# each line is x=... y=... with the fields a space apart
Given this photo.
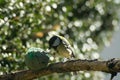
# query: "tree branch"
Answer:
x=110 y=66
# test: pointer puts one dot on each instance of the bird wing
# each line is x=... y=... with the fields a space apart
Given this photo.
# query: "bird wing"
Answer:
x=67 y=45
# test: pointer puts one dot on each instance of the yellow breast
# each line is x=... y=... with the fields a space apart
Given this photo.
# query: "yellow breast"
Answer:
x=63 y=51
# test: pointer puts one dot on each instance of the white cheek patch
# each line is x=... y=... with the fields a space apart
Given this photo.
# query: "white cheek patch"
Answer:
x=57 y=42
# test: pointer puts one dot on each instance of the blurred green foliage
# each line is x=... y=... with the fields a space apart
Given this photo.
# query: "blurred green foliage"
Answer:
x=88 y=24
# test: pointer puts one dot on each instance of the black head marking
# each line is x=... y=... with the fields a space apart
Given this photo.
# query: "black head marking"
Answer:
x=51 y=41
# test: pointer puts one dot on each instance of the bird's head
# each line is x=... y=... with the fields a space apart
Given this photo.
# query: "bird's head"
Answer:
x=54 y=42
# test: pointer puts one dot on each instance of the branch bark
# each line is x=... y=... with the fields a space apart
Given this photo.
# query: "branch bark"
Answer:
x=110 y=66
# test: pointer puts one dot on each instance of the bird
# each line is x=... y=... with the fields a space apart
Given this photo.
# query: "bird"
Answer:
x=62 y=46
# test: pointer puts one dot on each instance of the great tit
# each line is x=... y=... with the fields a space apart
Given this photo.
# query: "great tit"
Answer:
x=61 y=46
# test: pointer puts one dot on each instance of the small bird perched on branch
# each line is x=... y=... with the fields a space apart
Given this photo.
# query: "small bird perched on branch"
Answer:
x=61 y=46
